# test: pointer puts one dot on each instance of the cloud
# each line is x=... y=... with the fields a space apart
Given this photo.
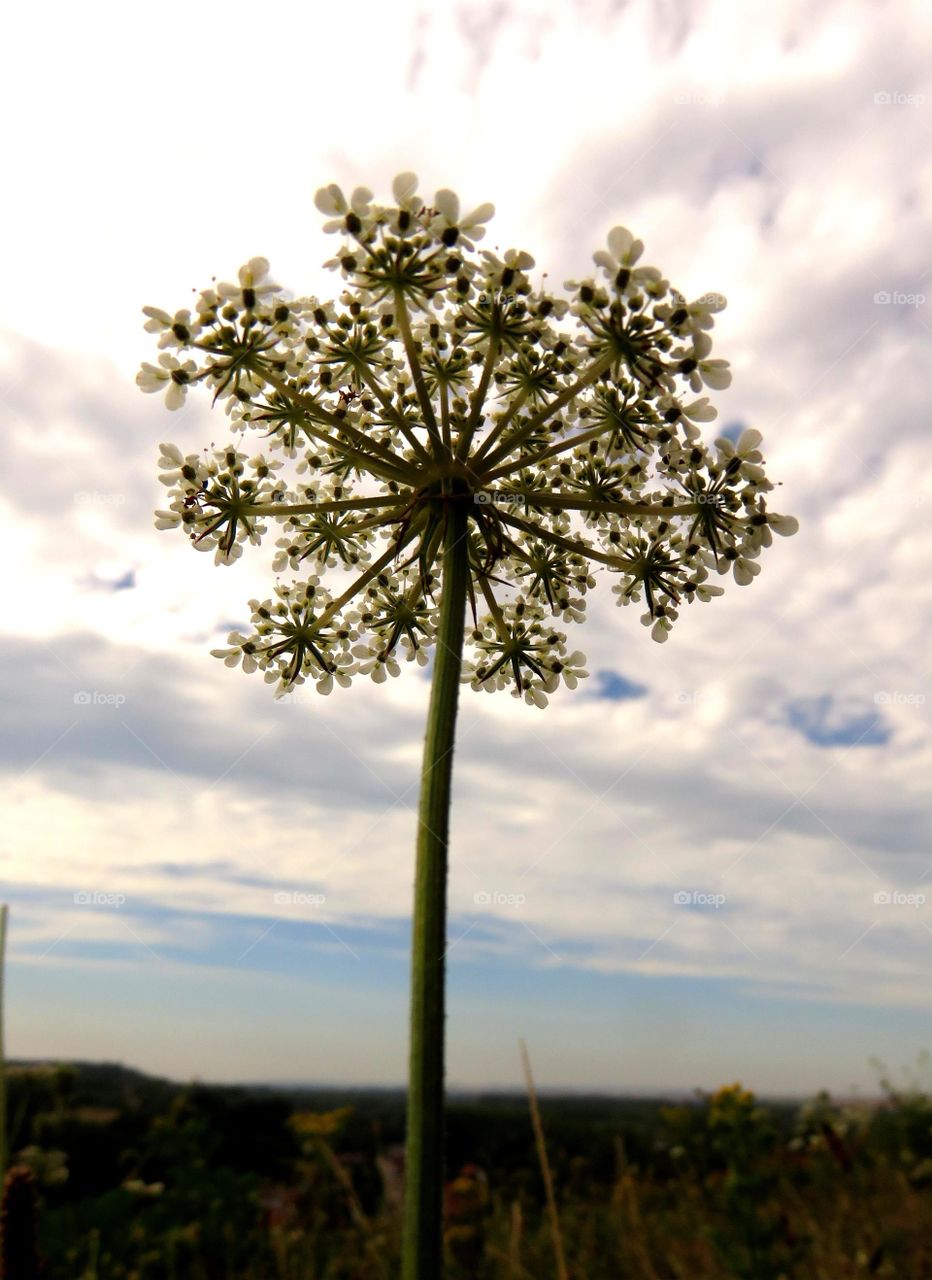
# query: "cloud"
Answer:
x=775 y=751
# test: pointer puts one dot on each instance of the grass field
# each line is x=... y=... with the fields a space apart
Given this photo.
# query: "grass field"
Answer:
x=138 y=1179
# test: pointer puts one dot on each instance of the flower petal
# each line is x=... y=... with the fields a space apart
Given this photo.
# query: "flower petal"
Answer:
x=448 y=202
x=620 y=241
x=482 y=213
x=404 y=187
x=785 y=526
x=330 y=199
x=749 y=440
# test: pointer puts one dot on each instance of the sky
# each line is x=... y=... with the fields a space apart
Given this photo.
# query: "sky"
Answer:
x=712 y=861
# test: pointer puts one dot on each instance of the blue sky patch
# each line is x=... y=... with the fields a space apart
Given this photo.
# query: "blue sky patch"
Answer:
x=825 y=723
x=732 y=431
x=615 y=687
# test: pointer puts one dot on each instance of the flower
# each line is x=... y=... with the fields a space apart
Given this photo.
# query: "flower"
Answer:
x=762 y=521
x=456 y=230
x=332 y=200
x=623 y=250
x=745 y=568
x=375 y=662
x=252 y=287
x=743 y=457
x=178 y=330
x=691 y=318
x=570 y=670
x=700 y=371
x=660 y=622
x=170 y=376
x=441 y=385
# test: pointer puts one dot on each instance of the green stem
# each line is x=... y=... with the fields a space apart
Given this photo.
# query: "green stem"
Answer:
x=528 y=427
x=445 y=417
x=313 y=508
x=395 y=417
x=371 y=572
x=423 y=1226
x=610 y=506
x=378 y=459
x=3 y=917
x=501 y=426
x=535 y=459
x=478 y=400
x=557 y=540
x=407 y=337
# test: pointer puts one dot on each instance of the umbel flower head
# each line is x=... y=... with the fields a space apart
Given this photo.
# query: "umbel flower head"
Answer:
x=568 y=428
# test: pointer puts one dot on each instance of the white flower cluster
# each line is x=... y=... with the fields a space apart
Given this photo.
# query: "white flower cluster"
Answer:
x=214 y=499
x=568 y=428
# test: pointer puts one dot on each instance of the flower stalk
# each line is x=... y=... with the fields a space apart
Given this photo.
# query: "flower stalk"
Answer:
x=423 y=1240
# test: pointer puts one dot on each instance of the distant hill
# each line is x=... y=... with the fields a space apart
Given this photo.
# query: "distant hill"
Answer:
x=113 y=1084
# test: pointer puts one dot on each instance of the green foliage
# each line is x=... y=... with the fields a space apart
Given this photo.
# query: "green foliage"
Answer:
x=169 y=1182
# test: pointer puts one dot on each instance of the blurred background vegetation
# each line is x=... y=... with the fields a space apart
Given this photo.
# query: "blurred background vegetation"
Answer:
x=129 y=1177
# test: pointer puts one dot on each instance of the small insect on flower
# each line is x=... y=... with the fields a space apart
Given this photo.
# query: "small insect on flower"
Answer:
x=195 y=499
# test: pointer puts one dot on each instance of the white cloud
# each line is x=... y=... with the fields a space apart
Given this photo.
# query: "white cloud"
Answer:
x=780 y=182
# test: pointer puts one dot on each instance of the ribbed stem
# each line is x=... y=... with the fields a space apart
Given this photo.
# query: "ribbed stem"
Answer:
x=423 y=1225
